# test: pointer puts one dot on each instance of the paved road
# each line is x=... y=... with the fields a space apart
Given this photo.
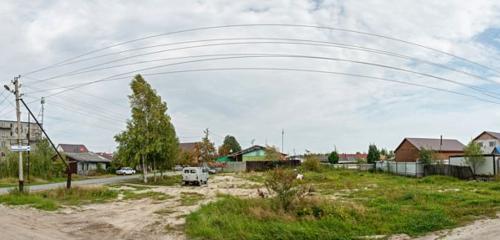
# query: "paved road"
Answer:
x=94 y=181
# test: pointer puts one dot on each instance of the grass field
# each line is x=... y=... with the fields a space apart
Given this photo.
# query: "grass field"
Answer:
x=53 y=199
x=349 y=205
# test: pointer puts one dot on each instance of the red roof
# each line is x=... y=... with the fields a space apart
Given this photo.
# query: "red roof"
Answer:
x=73 y=148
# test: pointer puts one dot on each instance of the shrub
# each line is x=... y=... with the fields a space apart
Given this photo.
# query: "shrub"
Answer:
x=311 y=163
x=283 y=182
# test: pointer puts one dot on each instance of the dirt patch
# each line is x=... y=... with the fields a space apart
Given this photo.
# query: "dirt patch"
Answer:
x=485 y=229
x=124 y=219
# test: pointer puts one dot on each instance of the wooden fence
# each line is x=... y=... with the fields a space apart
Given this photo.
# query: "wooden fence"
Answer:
x=461 y=172
x=266 y=165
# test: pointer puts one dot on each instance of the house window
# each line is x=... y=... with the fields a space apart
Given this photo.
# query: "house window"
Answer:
x=492 y=143
x=480 y=144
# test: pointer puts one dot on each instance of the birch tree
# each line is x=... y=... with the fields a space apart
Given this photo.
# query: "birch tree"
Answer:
x=149 y=139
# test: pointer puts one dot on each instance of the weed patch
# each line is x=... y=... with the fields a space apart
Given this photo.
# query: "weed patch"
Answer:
x=191 y=198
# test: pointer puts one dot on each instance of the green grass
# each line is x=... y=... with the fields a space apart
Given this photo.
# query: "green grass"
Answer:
x=191 y=198
x=366 y=204
x=53 y=199
x=131 y=195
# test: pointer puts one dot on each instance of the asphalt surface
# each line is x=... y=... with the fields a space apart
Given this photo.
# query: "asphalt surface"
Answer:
x=94 y=181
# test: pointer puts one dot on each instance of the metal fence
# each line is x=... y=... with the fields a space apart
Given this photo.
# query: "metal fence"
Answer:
x=401 y=168
x=354 y=166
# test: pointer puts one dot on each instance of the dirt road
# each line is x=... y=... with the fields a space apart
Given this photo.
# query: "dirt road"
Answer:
x=487 y=229
x=130 y=219
x=95 y=181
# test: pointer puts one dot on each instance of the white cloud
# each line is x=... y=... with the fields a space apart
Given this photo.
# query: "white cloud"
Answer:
x=316 y=110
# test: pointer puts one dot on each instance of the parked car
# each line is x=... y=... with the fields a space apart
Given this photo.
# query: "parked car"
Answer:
x=178 y=168
x=195 y=175
x=212 y=170
x=125 y=171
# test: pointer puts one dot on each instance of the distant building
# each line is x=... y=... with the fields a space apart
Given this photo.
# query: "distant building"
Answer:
x=82 y=161
x=489 y=141
x=352 y=157
x=8 y=134
x=409 y=149
x=253 y=153
x=72 y=148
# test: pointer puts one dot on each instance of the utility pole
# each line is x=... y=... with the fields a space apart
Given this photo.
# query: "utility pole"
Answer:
x=282 y=140
x=42 y=101
x=28 y=157
x=19 y=129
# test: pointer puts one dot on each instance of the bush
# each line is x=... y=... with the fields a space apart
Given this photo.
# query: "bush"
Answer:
x=311 y=163
x=284 y=184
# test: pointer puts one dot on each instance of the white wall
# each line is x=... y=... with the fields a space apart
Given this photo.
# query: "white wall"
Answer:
x=488 y=145
x=487 y=168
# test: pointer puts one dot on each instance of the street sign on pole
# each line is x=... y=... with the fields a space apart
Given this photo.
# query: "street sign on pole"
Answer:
x=17 y=148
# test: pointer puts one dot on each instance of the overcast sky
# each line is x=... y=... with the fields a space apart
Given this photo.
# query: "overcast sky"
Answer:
x=317 y=111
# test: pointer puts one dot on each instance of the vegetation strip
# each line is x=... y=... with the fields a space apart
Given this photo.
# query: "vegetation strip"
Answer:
x=347 y=204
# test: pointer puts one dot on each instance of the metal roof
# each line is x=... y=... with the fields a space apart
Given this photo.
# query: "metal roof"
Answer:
x=86 y=157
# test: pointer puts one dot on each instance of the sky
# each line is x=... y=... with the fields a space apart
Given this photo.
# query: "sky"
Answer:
x=443 y=77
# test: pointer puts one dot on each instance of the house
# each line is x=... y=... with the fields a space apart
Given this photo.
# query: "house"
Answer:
x=72 y=148
x=488 y=141
x=82 y=161
x=108 y=156
x=490 y=145
x=8 y=134
x=352 y=157
x=253 y=153
x=409 y=149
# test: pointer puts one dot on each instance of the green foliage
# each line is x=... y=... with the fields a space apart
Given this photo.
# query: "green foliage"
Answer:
x=426 y=156
x=205 y=150
x=366 y=204
x=230 y=145
x=474 y=156
x=272 y=153
x=284 y=184
x=53 y=199
x=311 y=163
x=333 y=158
x=41 y=163
x=373 y=154
x=150 y=137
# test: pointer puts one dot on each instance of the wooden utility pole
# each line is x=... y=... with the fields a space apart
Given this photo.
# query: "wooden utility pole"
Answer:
x=19 y=130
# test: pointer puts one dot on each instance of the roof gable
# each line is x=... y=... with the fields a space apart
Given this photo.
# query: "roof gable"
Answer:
x=494 y=135
x=73 y=148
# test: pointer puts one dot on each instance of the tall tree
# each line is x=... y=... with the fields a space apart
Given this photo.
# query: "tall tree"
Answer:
x=474 y=156
x=230 y=145
x=205 y=150
x=373 y=154
x=150 y=139
x=333 y=157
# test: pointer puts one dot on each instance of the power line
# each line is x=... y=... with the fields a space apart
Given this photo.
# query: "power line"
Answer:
x=264 y=25
x=92 y=68
x=479 y=90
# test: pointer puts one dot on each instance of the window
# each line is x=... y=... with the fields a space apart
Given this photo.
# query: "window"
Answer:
x=492 y=143
x=193 y=171
x=480 y=144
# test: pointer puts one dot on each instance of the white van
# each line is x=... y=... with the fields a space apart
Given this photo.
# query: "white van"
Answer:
x=196 y=175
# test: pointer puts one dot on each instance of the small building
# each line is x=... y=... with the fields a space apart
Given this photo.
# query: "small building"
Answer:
x=488 y=141
x=72 y=148
x=253 y=153
x=82 y=161
x=409 y=149
x=345 y=158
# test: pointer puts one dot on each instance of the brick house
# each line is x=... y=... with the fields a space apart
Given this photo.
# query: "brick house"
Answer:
x=409 y=149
